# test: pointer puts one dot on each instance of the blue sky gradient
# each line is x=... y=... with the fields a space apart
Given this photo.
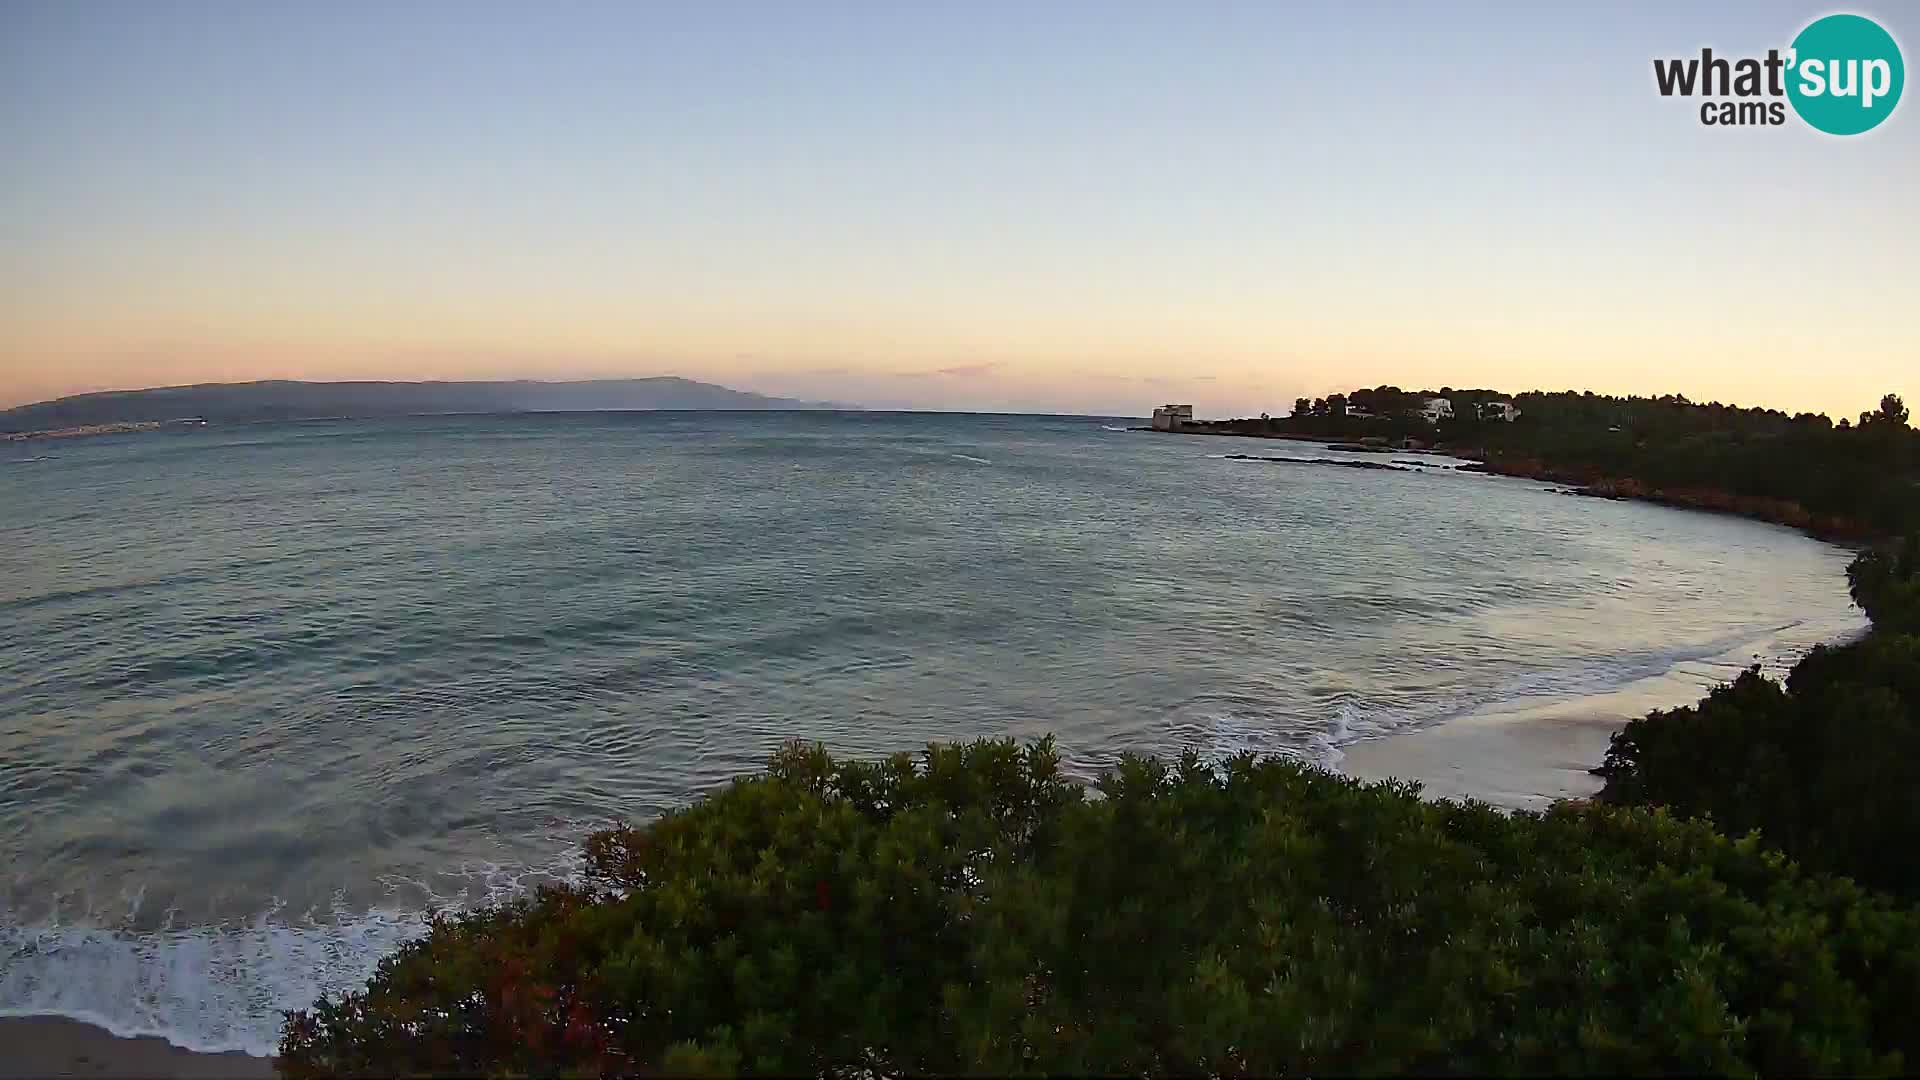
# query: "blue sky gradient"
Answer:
x=1061 y=206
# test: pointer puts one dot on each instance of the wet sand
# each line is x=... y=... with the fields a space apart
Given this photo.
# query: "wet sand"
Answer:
x=37 y=1046
x=1517 y=760
x=1525 y=757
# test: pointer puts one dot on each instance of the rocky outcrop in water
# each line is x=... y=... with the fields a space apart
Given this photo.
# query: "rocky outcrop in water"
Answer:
x=1319 y=461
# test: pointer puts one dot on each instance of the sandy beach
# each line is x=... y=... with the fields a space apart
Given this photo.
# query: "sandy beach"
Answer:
x=41 y=1046
x=1518 y=760
x=1526 y=757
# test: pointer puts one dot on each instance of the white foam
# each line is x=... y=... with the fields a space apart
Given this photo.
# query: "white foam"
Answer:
x=975 y=460
x=223 y=988
x=217 y=988
x=1220 y=729
x=1219 y=734
x=210 y=989
x=1235 y=735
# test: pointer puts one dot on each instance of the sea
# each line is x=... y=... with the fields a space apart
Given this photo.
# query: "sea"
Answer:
x=270 y=693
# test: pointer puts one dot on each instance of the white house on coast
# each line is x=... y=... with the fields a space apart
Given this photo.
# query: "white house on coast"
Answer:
x=1498 y=410
x=1436 y=409
x=1172 y=417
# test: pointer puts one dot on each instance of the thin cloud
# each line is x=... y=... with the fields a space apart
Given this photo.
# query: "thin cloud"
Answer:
x=957 y=371
x=963 y=370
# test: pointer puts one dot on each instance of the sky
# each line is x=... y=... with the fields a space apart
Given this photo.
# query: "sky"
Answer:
x=1054 y=207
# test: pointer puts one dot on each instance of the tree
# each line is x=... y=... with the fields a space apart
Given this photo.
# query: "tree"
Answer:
x=1302 y=407
x=1885 y=583
x=1824 y=766
x=1802 y=471
x=974 y=912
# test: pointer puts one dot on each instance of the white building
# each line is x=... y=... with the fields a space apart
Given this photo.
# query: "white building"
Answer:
x=1436 y=409
x=1498 y=410
x=1359 y=410
x=1172 y=417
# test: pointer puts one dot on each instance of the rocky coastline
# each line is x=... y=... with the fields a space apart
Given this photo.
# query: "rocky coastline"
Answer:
x=1580 y=481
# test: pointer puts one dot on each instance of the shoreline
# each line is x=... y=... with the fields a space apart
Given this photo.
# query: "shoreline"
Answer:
x=1841 y=532
x=1527 y=756
x=1520 y=753
x=1513 y=755
x=1526 y=759
x=37 y=1046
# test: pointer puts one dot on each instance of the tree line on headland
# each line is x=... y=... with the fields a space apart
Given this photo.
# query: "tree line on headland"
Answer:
x=1743 y=897
x=1853 y=480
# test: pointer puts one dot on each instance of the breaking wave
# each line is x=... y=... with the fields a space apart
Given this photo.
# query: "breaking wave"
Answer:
x=223 y=988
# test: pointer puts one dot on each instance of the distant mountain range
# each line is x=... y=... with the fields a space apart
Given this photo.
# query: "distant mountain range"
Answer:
x=282 y=400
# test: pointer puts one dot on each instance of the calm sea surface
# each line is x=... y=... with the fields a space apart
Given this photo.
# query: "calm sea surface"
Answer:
x=268 y=692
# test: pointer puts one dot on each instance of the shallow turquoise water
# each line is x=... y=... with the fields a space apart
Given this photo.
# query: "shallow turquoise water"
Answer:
x=266 y=692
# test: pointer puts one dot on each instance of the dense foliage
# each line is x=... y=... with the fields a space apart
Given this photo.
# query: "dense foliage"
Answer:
x=973 y=911
x=1826 y=767
x=1885 y=582
x=1858 y=479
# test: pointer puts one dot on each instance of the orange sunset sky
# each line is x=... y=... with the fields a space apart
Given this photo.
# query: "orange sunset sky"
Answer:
x=1076 y=208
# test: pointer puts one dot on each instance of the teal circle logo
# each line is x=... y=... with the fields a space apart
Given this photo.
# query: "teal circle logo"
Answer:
x=1845 y=74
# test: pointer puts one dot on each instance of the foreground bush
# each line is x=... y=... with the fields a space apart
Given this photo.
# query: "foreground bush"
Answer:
x=973 y=911
x=1885 y=582
x=1826 y=767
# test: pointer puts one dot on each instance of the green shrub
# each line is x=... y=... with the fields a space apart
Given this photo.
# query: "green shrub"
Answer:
x=1886 y=584
x=1826 y=767
x=1856 y=480
x=973 y=911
